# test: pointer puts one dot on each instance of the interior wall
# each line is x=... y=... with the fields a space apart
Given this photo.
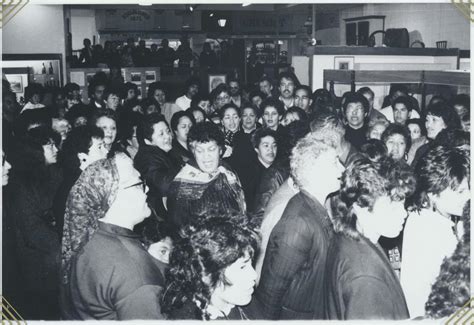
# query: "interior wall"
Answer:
x=428 y=22
x=36 y=29
x=82 y=26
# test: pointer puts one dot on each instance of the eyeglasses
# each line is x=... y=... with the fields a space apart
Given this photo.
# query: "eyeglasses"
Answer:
x=141 y=183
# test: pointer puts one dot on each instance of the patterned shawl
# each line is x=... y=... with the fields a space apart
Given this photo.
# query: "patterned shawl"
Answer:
x=88 y=201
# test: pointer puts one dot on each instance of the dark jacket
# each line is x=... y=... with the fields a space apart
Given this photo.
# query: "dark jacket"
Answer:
x=181 y=152
x=356 y=137
x=189 y=311
x=360 y=283
x=113 y=278
x=292 y=278
x=158 y=168
x=272 y=178
x=38 y=246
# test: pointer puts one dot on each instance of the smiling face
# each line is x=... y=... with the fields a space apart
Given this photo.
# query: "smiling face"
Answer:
x=231 y=119
x=271 y=118
x=207 y=155
x=242 y=276
x=267 y=149
x=434 y=125
x=109 y=127
x=182 y=129
x=355 y=115
x=249 y=119
x=396 y=146
x=112 y=101
x=161 y=136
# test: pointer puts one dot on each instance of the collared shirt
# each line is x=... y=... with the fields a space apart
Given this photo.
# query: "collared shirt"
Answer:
x=388 y=112
x=292 y=103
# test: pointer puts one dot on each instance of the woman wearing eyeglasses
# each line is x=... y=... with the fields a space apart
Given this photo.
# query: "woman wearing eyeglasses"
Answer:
x=34 y=182
x=106 y=272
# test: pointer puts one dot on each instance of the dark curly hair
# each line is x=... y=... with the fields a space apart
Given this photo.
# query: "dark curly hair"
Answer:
x=363 y=182
x=451 y=290
x=200 y=256
x=397 y=129
x=205 y=132
x=374 y=149
x=354 y=97
x=273 y=102
x=262 y=133
x=453 y=138
x=78 y=140
x=441 y=167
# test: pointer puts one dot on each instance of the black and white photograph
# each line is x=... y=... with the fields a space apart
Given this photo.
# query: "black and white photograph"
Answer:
x=250 y=161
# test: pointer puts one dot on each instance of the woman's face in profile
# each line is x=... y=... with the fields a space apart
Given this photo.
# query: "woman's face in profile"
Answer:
x=241 y=277
x=207 y=155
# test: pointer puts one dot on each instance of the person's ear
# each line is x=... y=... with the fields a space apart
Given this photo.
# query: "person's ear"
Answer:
x=82 y=157
x=310 y=102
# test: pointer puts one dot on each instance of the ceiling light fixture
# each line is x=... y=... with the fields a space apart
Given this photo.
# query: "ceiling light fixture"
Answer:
x=211 y=14
x=222 y=22
x=245 y=4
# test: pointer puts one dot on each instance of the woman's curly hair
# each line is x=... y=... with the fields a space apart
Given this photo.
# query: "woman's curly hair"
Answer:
x=363 y=182
x=452 y=291
x=200 y=256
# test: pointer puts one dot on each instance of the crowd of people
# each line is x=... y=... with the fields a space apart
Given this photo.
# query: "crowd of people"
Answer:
x=274 y=203
x=137 y=54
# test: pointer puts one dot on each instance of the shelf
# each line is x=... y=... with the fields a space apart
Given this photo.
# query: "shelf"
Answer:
x=448 y=78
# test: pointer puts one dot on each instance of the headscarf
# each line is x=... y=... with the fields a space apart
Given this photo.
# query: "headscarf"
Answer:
x=89 y=200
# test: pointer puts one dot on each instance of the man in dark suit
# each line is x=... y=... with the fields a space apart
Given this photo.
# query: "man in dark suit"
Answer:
x=292 y=277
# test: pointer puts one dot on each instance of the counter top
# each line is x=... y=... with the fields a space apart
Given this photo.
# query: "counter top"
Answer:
x=364 y=50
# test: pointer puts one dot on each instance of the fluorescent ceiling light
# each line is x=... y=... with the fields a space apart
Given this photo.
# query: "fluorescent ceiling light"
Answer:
x=245 y=4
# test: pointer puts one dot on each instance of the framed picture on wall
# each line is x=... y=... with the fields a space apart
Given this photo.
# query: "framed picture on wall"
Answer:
x=150 y=76
x=16 y=83
x=136 y=77
x=343 y=63
x=215 y=80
